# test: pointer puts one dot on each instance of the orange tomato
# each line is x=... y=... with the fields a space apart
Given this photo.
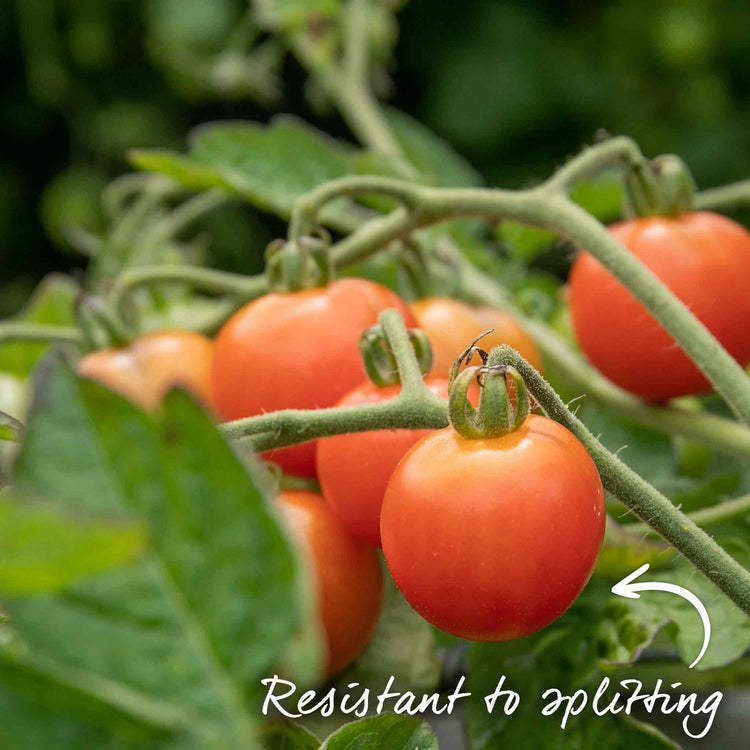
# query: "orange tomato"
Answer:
x=451 y=325
x=152 y=364
x=347 y=574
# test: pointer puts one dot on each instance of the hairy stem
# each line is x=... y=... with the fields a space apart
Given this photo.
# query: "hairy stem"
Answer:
x=619 y=150
x=729 y=510
x=647 y=503
x=415 y=407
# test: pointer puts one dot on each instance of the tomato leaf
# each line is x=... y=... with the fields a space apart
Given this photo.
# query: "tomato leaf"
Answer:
x=284 y=735
x=402 y=646
x=389 y=730
x=730 y=627
x=43 y=546
x=436 y=159
x=182 y=639
x=567 y=656
x=50 y=304
x=283 y=15
x=267 y=166
x=10 y=428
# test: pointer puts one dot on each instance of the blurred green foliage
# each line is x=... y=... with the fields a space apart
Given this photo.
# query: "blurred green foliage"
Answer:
x=515 y=85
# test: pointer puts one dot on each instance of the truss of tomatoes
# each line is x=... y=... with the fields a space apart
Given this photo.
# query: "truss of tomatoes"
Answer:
x=488 y=539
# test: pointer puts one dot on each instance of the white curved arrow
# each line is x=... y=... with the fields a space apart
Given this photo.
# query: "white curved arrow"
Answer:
x=630 y=590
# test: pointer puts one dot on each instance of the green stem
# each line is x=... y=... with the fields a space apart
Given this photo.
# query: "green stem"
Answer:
x=634 y=492
x=307 y=207
x=242 y=288
x=414 y=408
x=619 y=150
x=186 y=213
x=50 y=334
x=356 y=43
x=729 y=510
x=352 y=97
x=735 y=195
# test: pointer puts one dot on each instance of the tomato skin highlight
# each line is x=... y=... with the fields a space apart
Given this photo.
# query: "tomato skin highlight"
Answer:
x=704 y=259
x=347 y=575
x=354 y=469
x=297 y=350
x=152 y=364
x=451 y=325
x=492 y=540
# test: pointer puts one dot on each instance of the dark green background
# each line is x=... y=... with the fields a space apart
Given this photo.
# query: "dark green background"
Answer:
x=516 y=86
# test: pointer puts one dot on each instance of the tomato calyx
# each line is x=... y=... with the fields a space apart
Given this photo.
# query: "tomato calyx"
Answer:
x=380 y=361
x=503 y=397
x=659 y=187
x=292 y=265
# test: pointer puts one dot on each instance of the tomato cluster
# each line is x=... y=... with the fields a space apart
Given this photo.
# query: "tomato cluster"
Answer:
x=461 y=522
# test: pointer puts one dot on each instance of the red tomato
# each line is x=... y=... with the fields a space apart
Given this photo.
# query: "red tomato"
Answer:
x=493 y=539
x=354 y=469
x=297 y=350
x=704 y=259
x=347 y=574
x=452 y=325
x=152 y=364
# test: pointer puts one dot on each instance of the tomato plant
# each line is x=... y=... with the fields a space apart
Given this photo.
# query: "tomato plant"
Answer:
x=296 y=350
x=347 y=575
x=161 y=588
x=354 y=469
x=451 y=325
x=152 y=364
x=473 y=529
x=704 y=259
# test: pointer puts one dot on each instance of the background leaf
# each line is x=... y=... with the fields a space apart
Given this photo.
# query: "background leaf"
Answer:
x=43 y=547
x=267 y=166
x=389 y=730
x=435 y=158
x=285 y=735
x=10 y=428
x=566 y=655
x=51 y=304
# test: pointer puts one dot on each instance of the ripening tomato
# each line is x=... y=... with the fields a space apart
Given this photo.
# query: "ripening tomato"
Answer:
x=152 y=364
x=704 y=259
x=297 y=350
x=354 y=469
x=346 y=573
x=452 y=325
x=492 y=539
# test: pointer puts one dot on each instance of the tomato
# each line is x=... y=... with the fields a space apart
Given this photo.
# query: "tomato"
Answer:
x=452 y=325
x=492 y=539
x=354 y=469
x=347 y=575
x=297 y=350
x=152 y=364
x=704 y=259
